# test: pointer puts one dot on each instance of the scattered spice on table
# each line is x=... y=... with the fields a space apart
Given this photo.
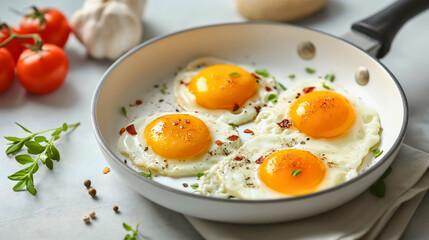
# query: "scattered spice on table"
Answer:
x=92 y=214
x=106 y=170
x=92 y=192
x=86 y=219
x=116 y=209
x=87 y=183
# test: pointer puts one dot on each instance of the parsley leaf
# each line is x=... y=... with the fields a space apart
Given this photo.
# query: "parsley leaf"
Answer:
x=376 y=152
x=296 y=172
x=42 y=147
x=130 y=229
x=379 y=187
x=263 y=72
x=325 y=86
x=124 y=111
x=272 y=98
x=148 y=175
x=310 y=70
x=194 y=186
x=277 y=83
x=330 y=77
x=164 y=89
x=200 y=175
x=234 y=74
x=291 y=76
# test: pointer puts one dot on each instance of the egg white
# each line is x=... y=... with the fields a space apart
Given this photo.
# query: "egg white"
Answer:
x=246 y=113
x=350 y=149
x=239 y=179
x=134 y=147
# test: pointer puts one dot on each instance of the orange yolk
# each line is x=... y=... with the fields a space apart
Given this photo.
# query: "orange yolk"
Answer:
x=178 y=136
x=292 y=172
x=223 y=86
x=322 y=114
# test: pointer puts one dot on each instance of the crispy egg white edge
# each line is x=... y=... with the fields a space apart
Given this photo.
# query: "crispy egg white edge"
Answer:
x=239 y=179
x=133 y=148
x=186 y=99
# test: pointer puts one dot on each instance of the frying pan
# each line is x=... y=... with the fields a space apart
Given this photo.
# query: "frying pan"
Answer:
x=269 y=45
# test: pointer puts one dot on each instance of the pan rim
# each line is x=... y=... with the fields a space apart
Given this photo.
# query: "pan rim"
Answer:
x=103 y=144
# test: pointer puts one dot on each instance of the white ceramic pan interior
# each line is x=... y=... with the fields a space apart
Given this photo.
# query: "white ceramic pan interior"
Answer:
x=262 y=45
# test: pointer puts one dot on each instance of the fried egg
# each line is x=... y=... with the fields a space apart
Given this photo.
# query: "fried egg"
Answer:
x=273 y=166
x=323 y=114
x=222 y=90
x=177 y=144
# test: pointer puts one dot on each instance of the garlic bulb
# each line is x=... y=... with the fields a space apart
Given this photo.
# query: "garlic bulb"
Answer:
x=109 y=28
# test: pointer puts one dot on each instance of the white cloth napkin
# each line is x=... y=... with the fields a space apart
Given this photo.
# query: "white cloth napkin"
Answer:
x=365 y=217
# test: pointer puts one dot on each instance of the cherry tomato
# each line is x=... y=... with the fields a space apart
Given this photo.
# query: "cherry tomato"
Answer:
x=42 y=72
x=7 y=69
x=15 y=46
x=50 y=24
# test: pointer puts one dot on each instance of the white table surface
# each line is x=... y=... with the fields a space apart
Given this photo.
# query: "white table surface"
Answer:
x=62 y=200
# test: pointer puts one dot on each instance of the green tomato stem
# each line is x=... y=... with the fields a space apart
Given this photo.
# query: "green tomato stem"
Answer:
x=38 y=43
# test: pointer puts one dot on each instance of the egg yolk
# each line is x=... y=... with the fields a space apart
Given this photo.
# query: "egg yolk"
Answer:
x=322 y=114
x=223 y=86
x=178 y=136
x=292 y=172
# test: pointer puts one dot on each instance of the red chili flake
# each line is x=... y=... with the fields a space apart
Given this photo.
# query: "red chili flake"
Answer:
x=298 y=95
x=131 y=130
x=236 y=107
x=258 y=109
x=238 y=158
x=233 y=137
x=219 y=142
x=183 y=83
x=308 y=89
x=138 y=102
x=175 y=123
x=255 y=76
x=249 y=131
x=268 y=89
x=285 y=123
x=260 y=160
x=121 y=131
x=187 y=121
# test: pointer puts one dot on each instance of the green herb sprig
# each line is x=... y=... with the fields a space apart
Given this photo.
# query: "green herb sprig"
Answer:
x=148 y=175
x=296 y=172
x=272 y=98
x=310 y=70
x=330 y=77
x=326 y=86
x=130 y=229
x=234 y=74
x=36 y=145
x=199 y=175
x=379 y=187
x=124 y=111
x=277 y=83
x=376 y=152
x=164 y=89
x=262 y=72
x=194 y=186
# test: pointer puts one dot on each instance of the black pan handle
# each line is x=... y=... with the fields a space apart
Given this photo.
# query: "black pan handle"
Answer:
x=384 y=25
